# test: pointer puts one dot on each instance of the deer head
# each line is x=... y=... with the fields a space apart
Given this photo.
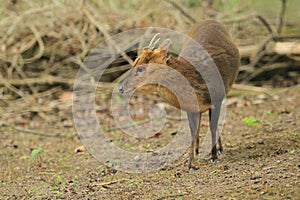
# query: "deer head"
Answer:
x=149 y=68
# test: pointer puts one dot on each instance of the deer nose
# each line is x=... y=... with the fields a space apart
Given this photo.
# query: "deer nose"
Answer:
x=121 y=89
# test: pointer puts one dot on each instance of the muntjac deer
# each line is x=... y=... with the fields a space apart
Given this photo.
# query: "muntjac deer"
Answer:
x=214 y=38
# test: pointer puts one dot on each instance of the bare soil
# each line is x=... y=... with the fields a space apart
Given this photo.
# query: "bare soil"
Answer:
x=259 y=162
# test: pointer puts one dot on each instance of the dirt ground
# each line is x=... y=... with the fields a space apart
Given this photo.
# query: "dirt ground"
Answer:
x=259 y=162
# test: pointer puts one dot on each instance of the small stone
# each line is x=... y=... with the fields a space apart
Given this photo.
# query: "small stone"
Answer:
x=79 y=149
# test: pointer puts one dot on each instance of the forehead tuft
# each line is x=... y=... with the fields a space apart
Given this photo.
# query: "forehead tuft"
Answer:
x=145 y=54
x=151 y=56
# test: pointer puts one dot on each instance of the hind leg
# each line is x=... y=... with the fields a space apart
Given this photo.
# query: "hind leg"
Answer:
x=197 y=136
x=213 y=124
x=194 y=119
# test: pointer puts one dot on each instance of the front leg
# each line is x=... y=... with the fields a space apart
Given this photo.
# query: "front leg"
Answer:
x=194 y=123
x=220 y=149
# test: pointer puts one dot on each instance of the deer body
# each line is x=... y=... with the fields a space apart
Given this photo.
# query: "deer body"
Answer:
x=154 y=69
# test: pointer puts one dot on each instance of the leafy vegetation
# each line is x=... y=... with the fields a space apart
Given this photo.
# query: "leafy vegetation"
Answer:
x=251 y=120
x=36 y=151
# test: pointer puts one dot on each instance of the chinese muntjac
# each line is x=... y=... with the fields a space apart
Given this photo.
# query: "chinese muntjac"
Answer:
x=153 y=66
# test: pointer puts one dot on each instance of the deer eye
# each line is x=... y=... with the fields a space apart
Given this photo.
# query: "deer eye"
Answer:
x=140 y=69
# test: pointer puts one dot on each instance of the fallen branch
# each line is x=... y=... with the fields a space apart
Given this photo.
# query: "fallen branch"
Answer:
x=112 y=182
x=251 y=88
x=287 y=48
x=10 y=86
x=247 y=17
x=167 y=196
x=266 y=68
x=42 y=80
x=248 y=51
x=31 y=131
x=93 y=20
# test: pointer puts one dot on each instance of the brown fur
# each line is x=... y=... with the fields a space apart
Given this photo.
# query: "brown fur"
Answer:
x=158 y=63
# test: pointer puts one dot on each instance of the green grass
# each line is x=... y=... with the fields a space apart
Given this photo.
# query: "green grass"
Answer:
x=36 y=151
x=266 y=118
x=250 y=121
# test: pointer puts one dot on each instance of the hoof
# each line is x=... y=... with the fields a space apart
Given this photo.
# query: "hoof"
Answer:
x=213 y=160
x=191 y=168
x=220 y=152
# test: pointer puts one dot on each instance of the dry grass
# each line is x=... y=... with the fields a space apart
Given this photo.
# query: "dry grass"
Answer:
x=43 y=43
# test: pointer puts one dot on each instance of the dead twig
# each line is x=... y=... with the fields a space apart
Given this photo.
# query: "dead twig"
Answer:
x=181 y=9
x=251 y=88
x=117 y=69
x=265 y=23
x=41 y=80
x=285 y=37
x=21 y=110
x=48 y=79
x=266 y=68
x=261 y=50
x=167 y=196
x=10 y=86
x=93 y=20
x=251 y=16
x=126 y=126
x=22 y=61
x=112 y=182
x=40 y=42
x=31 y=131
x=21 y=17
x=281 y=16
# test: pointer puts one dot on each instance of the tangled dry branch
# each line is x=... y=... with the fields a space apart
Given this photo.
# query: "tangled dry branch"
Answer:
x=43 y=44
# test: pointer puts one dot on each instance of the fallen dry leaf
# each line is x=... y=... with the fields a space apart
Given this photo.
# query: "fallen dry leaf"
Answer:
x=79 y=149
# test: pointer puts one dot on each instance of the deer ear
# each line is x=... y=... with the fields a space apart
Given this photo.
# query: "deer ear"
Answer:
x=167 y=45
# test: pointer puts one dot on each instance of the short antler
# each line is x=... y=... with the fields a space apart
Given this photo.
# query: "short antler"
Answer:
x=152 y=43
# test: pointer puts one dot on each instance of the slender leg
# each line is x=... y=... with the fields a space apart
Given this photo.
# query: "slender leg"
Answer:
x=213 y=124
x=220 y=150
x=197 y=135
x=194 y=127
